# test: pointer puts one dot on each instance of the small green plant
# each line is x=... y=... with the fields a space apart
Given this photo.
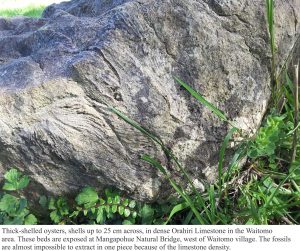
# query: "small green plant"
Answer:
x=59 y=210
x=269 y=138
x=90 y=208
x=14 y=207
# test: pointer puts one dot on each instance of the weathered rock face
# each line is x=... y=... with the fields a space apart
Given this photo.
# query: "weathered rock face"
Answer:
x=58 y=72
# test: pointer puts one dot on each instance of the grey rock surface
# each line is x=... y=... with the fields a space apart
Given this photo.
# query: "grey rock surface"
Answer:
x=58 y=72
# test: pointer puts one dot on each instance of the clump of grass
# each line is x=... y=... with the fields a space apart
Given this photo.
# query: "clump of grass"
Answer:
x=264 y=191
x=29 y=11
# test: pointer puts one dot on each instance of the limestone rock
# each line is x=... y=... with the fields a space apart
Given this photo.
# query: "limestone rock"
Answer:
x=58 y=73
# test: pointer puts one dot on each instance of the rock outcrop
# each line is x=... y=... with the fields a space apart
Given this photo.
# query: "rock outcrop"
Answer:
x=57 y=74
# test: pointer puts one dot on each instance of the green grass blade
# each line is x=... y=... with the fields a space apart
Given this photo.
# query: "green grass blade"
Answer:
x=137 y=126
x=252 y=209
x=269 y=4
x=202 y=100
x=188 y=200
x=154 y=163
x=270 y=19
x=177 y=188
x=270 y=198
x=212 y=201
x=295 y=185
x=178 y=208
x=195 y=191
x=188 y=218
x=288 y=87
x=238 y=155
x=222 y=154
